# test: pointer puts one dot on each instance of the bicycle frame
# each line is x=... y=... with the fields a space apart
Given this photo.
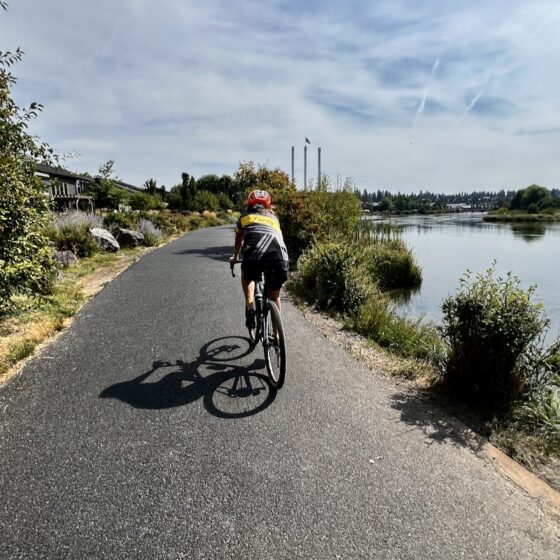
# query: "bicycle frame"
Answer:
x=261 y=294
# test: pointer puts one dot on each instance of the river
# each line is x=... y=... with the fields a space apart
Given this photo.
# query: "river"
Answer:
x=445 y=246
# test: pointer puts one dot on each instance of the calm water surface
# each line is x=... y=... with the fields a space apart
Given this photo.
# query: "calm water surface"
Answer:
x=446 y=245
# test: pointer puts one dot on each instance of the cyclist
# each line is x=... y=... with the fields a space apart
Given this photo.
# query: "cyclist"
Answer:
x=259 y=235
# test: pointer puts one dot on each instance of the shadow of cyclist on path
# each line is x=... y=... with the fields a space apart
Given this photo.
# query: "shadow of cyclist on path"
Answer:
x=228 y=391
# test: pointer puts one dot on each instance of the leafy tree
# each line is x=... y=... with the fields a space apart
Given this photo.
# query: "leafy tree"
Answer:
x=205 y=200
x=105 y=192
x=187 y=191
x=25 y=256
x=151 y=186
x=387 y=204
x=249 y=177
x=210 y=183
x=530 y=198
x=174 y=199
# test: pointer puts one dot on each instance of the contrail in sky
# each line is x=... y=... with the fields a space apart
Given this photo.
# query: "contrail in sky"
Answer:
x=529 y=39
x=420 y=109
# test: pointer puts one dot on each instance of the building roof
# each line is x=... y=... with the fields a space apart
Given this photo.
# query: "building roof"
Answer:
x=128 y=186
x=59 y=172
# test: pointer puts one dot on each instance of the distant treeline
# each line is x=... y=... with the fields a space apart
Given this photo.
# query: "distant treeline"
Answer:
x=428 y=202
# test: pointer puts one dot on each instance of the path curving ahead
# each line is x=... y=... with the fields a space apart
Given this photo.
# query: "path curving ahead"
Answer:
x=148 y=430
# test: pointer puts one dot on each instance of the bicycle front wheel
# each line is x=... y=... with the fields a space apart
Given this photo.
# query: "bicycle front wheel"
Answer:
x=275 y=346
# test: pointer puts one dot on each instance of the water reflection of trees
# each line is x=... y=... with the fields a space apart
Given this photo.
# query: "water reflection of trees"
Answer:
x=530 y=231
x=402 y=296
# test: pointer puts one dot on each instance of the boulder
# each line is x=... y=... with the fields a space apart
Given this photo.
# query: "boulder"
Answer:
x=129 y=237
x=104 y=239
x=65 y=258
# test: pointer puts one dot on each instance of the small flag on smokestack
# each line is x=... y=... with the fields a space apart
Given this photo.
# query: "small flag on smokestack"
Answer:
x=307 y=140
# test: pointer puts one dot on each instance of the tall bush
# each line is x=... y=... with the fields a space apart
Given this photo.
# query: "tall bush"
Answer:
x=331 y=276
x=392 y=265
x=25 y=256
x=490 y=325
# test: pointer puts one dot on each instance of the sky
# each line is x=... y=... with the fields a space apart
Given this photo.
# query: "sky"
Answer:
x=401 y=95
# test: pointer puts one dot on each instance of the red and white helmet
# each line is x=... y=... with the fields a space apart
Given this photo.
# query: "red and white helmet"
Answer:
x=259 y=197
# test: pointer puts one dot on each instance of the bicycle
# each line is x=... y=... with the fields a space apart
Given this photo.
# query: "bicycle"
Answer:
x=269 y=330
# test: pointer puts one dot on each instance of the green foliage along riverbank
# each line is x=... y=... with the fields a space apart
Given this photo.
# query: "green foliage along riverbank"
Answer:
x=532 y=204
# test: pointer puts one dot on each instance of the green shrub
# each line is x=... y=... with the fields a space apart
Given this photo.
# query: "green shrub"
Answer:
x=74 y=237
x=490 y=325
x=195 y=221
x=224 y=201
x=123 y=220
x=145 y=201
x=299 y=222
x=337 y=212
x=392 y=265
x=330 y=276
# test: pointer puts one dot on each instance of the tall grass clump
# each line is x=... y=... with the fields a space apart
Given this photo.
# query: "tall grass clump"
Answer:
x=491 y=327
x=537 y=413
x=379 y=320
x=152 y=235
x=70 y=232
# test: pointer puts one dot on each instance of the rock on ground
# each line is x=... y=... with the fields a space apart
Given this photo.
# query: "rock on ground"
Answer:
x=129 y=237
x=105 y=239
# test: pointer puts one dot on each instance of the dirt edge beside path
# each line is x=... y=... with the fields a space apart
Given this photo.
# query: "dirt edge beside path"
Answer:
x=383 y=364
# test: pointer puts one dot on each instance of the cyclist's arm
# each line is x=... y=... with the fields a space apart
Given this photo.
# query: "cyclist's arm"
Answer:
x=238 y=244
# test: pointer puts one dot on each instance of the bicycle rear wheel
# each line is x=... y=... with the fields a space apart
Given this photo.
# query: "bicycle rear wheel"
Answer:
x=275 y=346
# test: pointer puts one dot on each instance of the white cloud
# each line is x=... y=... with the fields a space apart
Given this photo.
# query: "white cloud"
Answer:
x=190 y=86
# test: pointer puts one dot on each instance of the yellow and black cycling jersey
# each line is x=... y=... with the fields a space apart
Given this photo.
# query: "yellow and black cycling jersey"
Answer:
x=262 y=236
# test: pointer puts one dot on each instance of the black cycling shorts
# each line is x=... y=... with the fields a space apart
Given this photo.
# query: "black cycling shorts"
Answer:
x=275 y=271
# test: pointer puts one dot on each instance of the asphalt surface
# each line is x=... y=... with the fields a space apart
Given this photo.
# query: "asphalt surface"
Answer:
x=147 y=431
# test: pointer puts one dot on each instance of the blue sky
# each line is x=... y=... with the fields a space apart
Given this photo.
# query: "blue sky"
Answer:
x=403 y=95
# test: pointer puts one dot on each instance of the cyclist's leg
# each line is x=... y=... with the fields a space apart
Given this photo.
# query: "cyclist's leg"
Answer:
x=274 y=295
x=276 y=275
x=248 y=290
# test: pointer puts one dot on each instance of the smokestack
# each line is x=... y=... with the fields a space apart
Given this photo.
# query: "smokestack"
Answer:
x=292 y=164
x=305 y=167
x=319 y=167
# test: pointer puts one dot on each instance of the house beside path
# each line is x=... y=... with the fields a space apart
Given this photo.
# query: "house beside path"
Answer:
x=66 y=189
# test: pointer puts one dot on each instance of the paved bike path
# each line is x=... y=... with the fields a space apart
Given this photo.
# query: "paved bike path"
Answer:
x=147 y=431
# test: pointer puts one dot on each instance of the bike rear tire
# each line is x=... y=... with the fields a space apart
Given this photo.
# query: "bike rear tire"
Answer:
x=275 y=347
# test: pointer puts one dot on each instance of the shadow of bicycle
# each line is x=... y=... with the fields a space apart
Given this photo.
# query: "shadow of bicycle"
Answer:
x=227 y=390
